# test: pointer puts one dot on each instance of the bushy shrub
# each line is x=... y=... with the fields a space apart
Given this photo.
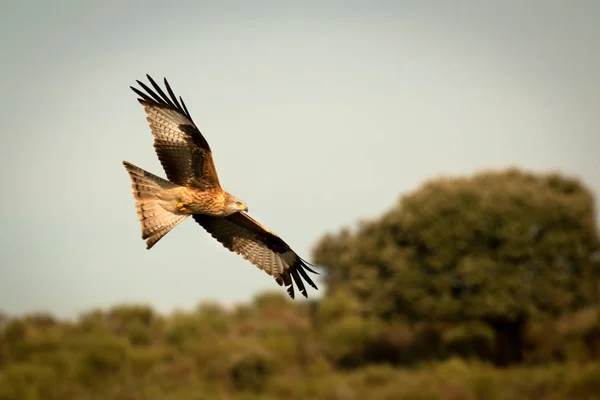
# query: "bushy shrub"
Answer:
x=28 y=382
x=102 y=356
x=251 y=370
x=391 y=343
x=571 y=337
x=347 y=338
x=586 y=384
x=124 y=313
x=470 y=340
x=183 y=328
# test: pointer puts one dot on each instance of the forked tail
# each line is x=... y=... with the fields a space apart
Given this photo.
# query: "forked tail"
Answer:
x=156 y=221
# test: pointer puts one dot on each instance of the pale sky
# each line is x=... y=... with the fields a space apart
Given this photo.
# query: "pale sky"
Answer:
x=318 y=114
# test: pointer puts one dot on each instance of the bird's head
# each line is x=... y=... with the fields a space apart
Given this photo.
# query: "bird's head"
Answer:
x=234 y=205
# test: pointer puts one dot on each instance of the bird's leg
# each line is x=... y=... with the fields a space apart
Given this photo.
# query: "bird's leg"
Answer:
x=181 y=207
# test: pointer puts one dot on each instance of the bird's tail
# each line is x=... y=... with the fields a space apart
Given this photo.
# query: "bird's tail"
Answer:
x=156 y=221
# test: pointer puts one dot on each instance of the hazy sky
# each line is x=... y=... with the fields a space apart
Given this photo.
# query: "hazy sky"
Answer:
x=318 y=114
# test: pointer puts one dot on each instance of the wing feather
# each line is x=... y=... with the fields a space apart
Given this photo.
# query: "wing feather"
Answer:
x=160 y=92
x=246 y=237
x=182 y=150
x=172 y=95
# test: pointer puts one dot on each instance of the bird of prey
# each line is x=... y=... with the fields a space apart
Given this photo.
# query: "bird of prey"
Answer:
x=193 y=189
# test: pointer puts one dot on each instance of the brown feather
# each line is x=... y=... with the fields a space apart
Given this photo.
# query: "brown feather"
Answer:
x=155 y=221
x=246 y=237
x=181 y=148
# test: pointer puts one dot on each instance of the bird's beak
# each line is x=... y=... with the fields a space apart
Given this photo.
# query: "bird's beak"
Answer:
x=244 y=208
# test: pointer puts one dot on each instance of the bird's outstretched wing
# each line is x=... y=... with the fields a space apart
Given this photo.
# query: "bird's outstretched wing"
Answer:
x=183 y=152
x=246 y=237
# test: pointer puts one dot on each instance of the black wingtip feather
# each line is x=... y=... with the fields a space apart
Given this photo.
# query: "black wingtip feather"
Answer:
x=290 y=290
x=144 y=96
x=173 y=97
x=159 y=97
x=185 y=108
x=299 y=282
x=305 y=264
x=160 y=92
x=307 y=278
x=299 y=275
x=155 y=97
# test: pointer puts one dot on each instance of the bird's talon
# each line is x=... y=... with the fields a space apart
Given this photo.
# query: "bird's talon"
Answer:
x=180 y=206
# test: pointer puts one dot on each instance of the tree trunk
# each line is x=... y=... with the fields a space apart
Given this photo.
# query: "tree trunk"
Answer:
x=509 y=341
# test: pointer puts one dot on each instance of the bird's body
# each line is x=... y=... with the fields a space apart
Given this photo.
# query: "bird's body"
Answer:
x=188 y=201
x=193 y=189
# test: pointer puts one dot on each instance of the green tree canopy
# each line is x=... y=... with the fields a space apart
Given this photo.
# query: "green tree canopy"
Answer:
x=498 y=246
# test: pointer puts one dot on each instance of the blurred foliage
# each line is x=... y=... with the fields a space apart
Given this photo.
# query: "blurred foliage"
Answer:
x=497 y=247
x=418 y=304
x=275 y=348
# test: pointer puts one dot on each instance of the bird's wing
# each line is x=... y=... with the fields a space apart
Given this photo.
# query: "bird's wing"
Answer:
x=257 y=244
x=183 y=152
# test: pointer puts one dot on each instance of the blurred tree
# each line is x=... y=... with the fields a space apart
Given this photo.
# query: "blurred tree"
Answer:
x=102 y=356
x=499 y=247
x=134 y=321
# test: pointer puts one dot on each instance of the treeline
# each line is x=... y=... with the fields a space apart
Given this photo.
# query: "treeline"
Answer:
x=275 y=348
x=484 y=287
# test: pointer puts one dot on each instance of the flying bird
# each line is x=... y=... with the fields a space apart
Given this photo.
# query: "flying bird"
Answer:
x=193 y=189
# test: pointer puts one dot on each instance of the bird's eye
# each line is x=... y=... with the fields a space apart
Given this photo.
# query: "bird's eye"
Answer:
x=239 y=203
